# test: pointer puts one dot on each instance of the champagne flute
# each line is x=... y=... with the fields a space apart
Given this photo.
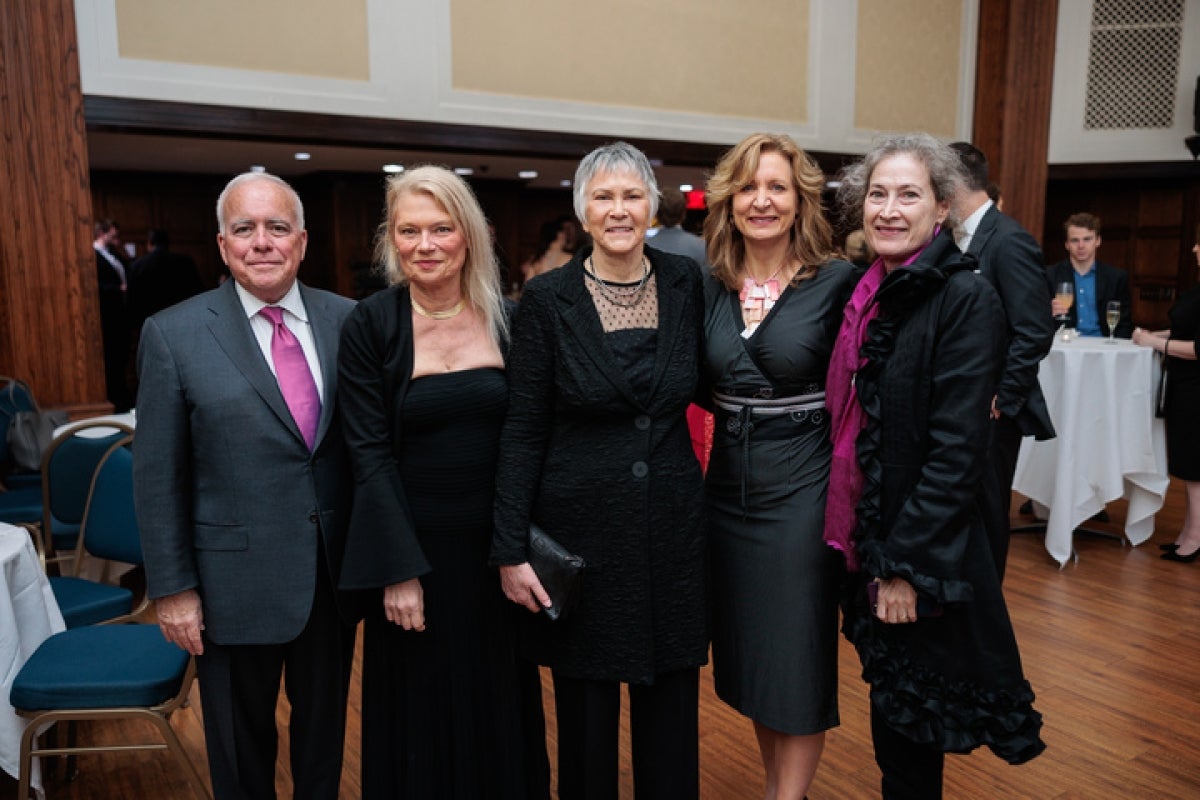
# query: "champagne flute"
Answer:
x=1064 y=295
x=1112 y=315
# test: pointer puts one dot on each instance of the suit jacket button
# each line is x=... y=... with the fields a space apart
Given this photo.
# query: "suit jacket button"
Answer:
x=642 y=422
x=314 y=518
x=640 y=470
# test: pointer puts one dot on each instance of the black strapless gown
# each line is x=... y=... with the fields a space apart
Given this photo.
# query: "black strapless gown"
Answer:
x=441 y=708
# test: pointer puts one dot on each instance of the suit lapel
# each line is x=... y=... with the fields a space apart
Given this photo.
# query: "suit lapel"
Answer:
x=231 y=329
x=579 y=315
x=325 y=335
x=672 y=298
x=987 y=226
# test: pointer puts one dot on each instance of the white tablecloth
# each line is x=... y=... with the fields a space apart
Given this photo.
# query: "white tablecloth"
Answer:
x=28 y=616
x=1109 y=443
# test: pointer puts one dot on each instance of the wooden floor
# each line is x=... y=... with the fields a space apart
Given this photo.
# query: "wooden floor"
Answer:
x=1111 y=645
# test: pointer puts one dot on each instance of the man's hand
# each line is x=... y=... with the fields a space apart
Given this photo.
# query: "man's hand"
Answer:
x=181 y=618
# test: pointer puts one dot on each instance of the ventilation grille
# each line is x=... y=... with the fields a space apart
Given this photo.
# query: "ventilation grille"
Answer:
x=1133 y=64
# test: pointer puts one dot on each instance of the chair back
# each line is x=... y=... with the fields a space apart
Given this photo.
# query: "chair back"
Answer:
x=110 y=529
x=15 y=396
x=68 y=466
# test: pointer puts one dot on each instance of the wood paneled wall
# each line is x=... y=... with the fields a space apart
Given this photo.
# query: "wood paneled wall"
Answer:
x=1013 y=82
x=342 y=212
x=49 y=311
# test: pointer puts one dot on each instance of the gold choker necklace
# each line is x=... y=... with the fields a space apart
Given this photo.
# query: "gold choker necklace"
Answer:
x=453 y=311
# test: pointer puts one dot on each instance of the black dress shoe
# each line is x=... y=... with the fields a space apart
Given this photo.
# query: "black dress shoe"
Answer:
x=1100 y=516
x=1026 y=508
x=1170 y=548
x=1173 y=555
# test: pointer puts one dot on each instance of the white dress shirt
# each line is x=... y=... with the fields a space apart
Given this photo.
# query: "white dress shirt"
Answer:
x=965 y=232
x=295 y=317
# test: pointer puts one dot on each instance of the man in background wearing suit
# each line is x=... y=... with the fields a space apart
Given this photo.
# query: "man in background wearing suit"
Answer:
x=1095 y=284
x=160 y=279
x=240 y=485
x=112 y=281
x=671 y=237
x=1012 y=262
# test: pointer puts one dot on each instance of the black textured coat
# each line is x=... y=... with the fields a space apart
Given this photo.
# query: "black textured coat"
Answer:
x=934 y=356
x=611 y=476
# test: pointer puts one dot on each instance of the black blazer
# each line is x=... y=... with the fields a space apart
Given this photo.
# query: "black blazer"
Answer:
x=1112 y=283
x=1011 y=261
x=610 y=474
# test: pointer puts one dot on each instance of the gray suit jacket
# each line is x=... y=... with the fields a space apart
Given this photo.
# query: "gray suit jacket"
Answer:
x=229 y=499
x=678 y=241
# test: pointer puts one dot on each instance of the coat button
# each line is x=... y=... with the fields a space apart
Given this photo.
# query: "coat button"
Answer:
x=642 y=423
x=640 y=470
x=314 y=518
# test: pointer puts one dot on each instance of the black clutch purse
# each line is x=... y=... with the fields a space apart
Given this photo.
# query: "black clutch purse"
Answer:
x=558 y=571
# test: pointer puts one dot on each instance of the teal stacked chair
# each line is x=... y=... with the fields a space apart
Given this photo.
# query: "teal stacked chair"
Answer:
x=15 y=396
x=68 y=467
x=109 y=532
x=104 y=672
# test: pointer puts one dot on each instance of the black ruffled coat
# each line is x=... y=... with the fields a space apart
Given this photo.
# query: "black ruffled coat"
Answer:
x=934 y=356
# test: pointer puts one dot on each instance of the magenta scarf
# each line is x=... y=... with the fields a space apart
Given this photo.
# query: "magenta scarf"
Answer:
x=845 y=413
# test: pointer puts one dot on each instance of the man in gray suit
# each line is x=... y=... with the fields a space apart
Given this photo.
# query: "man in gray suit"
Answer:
x=241 y=493
x=671 y=237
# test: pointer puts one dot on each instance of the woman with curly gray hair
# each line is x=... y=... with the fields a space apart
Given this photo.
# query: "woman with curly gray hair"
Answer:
x=911 y=380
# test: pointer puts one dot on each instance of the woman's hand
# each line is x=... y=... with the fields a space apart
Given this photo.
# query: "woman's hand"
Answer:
x=1145 y=338
x=896 y=601
x=521 y=585
x=404 y=604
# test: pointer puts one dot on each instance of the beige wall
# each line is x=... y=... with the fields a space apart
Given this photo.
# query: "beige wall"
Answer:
x=301 y=37
x=828 y=72
x=907 y=68
x=702 y=56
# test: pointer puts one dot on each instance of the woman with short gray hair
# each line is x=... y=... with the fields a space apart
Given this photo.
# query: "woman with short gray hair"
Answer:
x=596 y=452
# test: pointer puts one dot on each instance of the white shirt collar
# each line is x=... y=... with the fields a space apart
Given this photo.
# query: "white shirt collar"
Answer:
x=971 y=223
x=291 y=302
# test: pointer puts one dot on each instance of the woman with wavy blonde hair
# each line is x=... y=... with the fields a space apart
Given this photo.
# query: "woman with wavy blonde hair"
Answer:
x=772 y=309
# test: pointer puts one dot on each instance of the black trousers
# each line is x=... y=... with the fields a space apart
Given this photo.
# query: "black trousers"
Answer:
x=997 y=495
x=664 y=728
x=239 y=686
x=911 y=771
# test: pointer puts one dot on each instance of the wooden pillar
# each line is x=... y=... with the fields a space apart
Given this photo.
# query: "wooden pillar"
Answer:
x=1013 y=83
x=49 y=308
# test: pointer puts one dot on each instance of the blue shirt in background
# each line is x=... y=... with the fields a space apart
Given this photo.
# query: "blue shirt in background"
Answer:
x=1087 y=318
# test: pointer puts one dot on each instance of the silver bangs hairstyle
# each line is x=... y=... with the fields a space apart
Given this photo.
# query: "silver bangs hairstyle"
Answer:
x=614 y=157
x=480 y=275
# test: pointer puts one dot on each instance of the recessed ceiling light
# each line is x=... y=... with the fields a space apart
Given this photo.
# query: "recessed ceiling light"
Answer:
x=303 y=156
x=565 y=183
x=832 y=184
x=685 y=187
x=393 y=168
x=258 y=168
x=527 y=174
x=464 y=171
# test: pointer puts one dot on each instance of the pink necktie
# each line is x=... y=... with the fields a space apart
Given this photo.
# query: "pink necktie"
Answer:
x=295 y=378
